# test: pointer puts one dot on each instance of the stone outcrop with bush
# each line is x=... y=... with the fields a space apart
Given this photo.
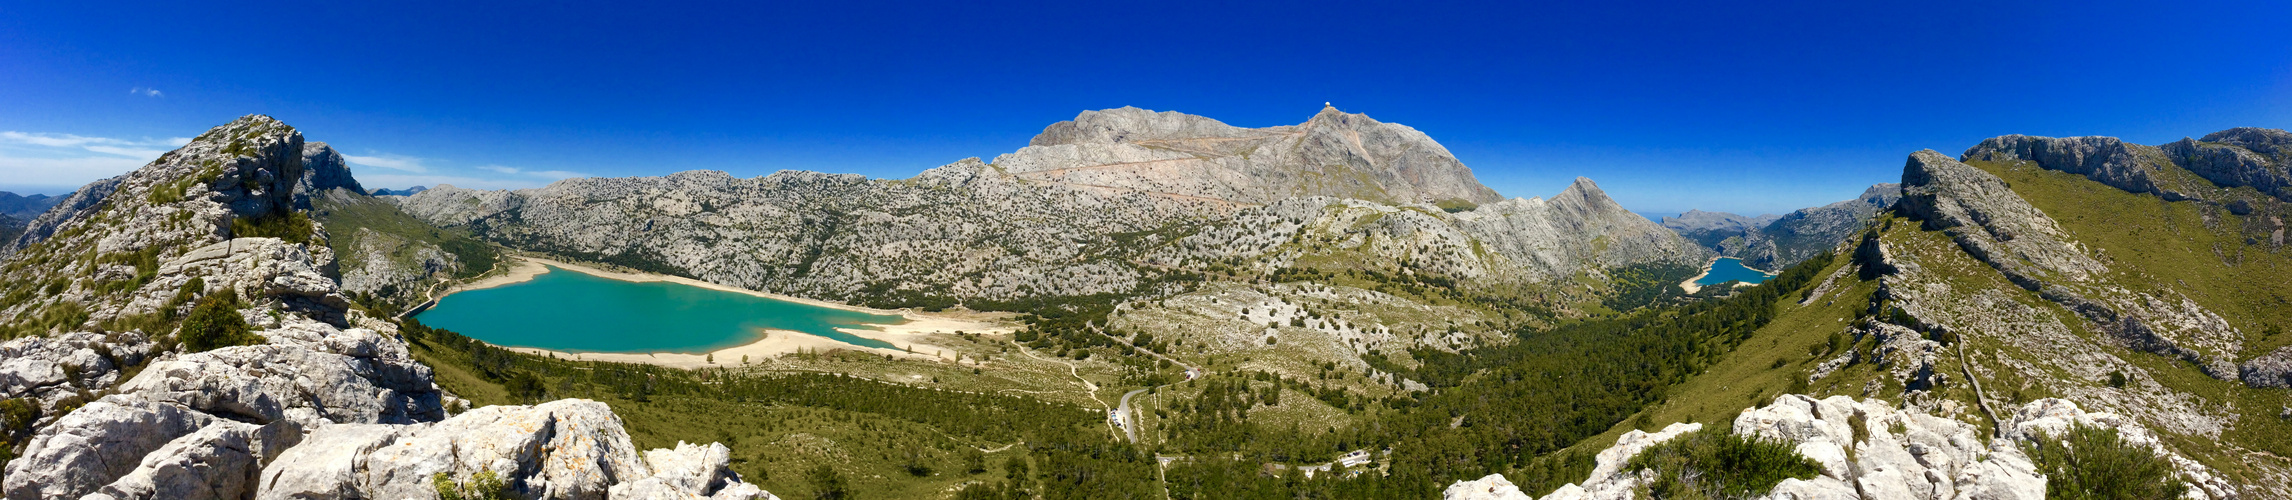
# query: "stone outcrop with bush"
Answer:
x=177 y=332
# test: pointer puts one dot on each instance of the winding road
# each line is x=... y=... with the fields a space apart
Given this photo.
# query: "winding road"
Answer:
x=1122 y=417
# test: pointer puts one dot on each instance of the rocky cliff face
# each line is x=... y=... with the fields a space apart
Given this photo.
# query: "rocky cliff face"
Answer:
x=2241 y=157
x=94 y=294
x=1775 y=242
x=1335 y=153
x=323 y=170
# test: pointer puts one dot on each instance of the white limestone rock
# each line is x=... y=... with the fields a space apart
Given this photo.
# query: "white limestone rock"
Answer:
x=94 y=446
x=561 y=449
x=1490 y=487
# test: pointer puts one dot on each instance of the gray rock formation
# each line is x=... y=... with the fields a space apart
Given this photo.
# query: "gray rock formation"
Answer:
x=1871 y=449
x=573 y=449
x=2272 y=370
x=2127 y=166
x=1775 y=242
x=2245 y=156
x=323 y=170
x=2238 y=157
x=1989 y=221
x=1335 y=153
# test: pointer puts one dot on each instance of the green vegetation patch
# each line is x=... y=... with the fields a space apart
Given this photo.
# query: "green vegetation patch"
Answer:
x=2094 y=463
x=1711 y=464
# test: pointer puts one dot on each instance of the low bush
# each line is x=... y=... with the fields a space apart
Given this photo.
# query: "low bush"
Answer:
x=2094 y=463
x=215 y=323
x=1720 y=465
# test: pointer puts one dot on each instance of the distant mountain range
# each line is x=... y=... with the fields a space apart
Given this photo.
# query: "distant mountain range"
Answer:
x=1773 y=242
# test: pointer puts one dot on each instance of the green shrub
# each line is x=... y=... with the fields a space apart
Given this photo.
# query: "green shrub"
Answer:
x=215 y=323
x=483 y=486
x=1720 y=465
x=2095 y=463
x=294 y=227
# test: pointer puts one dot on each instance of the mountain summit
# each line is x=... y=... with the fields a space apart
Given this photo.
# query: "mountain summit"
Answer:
x=1335 y=153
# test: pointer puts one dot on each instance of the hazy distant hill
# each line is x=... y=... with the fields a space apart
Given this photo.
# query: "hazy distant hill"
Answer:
x=1774 y=242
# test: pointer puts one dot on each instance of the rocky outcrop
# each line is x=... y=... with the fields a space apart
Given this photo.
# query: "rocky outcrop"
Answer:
x=2124 y=165
x=1335 y=153
x=573 y=449
x=1871 y=449
x=54 y=370
x=2239 y=157
x=323 y=170
x=239 y=176
x=1776 y=242
x=216 y=424
x=1990 y=221
x=2272 y=370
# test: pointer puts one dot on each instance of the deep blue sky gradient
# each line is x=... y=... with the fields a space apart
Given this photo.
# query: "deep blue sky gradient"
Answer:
x=1732 y=106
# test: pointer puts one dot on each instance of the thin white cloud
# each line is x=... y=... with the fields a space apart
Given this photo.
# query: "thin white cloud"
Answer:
x=63 y=172
x=398 y=181
x=145 y=91
x=105 y=145
x=557 y=175
x=393 y=162
x=132 y=152
x=544 y=174
x=64 y=161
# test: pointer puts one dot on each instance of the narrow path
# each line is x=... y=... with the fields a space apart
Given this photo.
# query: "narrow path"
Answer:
x=1129 y=421
x=1090 y=389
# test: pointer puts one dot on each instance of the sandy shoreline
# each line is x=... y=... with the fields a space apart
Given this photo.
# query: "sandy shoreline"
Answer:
x=911 y=334
x=1691 y=287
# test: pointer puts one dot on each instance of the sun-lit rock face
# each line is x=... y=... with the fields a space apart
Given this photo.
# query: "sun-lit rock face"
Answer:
x=1347 y=155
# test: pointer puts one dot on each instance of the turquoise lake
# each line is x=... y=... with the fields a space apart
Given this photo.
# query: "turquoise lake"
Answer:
x=569 y=311
x=1731 y=269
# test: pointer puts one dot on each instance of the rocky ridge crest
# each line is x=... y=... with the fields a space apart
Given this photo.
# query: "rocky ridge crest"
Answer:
x=1335 y=153
x=256 y=420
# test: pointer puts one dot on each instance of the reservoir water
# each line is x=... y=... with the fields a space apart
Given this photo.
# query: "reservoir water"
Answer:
x=570 y=311
x=1731 y=269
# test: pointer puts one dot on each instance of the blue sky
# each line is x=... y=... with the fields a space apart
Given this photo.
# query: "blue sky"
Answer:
x=1731 y=106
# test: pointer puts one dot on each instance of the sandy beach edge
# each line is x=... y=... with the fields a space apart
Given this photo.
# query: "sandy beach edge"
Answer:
x=908 y=333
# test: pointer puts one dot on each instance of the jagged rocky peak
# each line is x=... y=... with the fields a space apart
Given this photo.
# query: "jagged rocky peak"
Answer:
x=322 y=169
x=1173 y=154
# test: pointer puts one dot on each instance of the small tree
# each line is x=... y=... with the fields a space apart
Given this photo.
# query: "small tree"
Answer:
x=215 y=323
x=827 y=484
x=2095 y=463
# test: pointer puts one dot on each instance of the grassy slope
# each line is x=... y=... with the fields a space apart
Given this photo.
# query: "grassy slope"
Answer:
x=2195 y=249
x=772 y=445
x=353 y=220
x=2189 y=247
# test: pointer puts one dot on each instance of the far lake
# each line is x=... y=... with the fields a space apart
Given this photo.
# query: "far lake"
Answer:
x=569 y=311
x=1731 y=269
